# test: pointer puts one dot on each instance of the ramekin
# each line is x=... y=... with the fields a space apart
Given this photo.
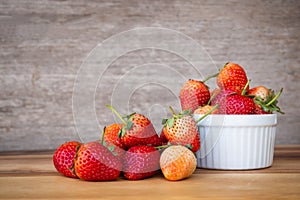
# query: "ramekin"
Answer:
x=236 y=142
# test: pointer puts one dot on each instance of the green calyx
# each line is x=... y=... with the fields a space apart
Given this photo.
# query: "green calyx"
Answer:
x=170 y=121
x=126 y=120
x=122 y=132
x=111 y=148
x=189 y=146
x=270 y=103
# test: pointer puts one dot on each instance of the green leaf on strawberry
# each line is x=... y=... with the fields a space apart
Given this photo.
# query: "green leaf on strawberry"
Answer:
x=164 y=121
x=129 y=124
x=122 y=132
x=269 y=103
x=170 y=122
x=137 y=129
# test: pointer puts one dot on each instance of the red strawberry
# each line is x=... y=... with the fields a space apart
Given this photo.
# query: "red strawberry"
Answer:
x=63 y=158
x=182 y=129
x=141 y=132
x=222 y=94
x=111 y=135
x=193 y=94
x=163 y=137
x=232 y=77
x=265 y=100
x=137 y=130
x=112 y=140
x=94 y=162
x=140 y=162
x=237 y=104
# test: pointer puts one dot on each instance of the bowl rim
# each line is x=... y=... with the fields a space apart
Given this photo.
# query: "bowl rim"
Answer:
x=224 y=120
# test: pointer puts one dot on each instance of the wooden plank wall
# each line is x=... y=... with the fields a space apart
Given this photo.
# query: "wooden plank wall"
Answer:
x=44 y=42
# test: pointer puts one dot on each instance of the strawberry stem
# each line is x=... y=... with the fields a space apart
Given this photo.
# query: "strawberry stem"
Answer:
x=211 y=98
x=206 y=114
x=276 y=97
x=102 y=135
x=172 y=111
x=162 y=146
x=209 y=77
x=116 y=112
x=245 y=88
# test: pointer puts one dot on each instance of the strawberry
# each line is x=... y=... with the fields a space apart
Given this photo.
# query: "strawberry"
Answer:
x=265 y=100
x=234 y=103
x=112 y=140
x=182 y=129
x=140 y=162
x=94 y=162
x=232 y=77
x=193 y=94
x=137 y=130
x=220 y=95
x=261 y=92
x=177 y=162
x=111 y=135
x=163 y=137
x=141 y=132
x=205 y=109
x=63 y=158
x=237 y=104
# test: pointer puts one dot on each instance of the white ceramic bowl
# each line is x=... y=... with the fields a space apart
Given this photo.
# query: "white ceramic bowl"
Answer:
x=236 y=142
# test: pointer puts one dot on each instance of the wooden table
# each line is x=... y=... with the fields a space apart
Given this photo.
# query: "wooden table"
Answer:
x=31 y=175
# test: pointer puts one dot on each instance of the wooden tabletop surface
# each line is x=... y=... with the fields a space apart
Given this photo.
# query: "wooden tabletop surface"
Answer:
x=31 y=175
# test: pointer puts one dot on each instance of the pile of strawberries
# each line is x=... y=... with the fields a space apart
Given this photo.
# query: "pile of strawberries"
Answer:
x=134 y=150
x=232 y=96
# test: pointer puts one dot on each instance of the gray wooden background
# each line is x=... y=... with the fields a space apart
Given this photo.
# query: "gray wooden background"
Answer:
x=43 y=43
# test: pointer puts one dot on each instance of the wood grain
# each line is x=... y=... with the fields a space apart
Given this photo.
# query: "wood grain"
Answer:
x=32 y=176
x=44 y=42
x=205 y=186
